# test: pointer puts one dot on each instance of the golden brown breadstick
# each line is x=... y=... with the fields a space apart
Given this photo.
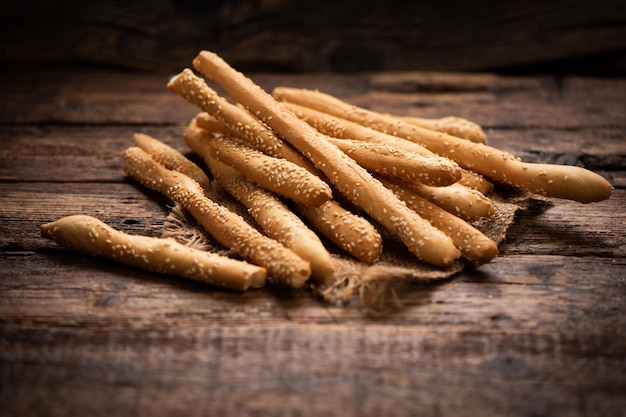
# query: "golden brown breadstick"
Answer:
x=421 y=238
x=209 y=123
x=337 y=127
x=559 y=181
x=315 y=99
x=475 y=181
x=239 y=122
x=452 y=125
x=396 y=162
x=226 y=227
x=466 y=203
x=274 y=217
x=170 y=158
x=90 y=235
x=350 y=232
x=278 y=175
x=474 y=245
x=477 y=206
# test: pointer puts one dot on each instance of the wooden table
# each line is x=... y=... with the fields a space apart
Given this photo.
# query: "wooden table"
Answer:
x=540 y=331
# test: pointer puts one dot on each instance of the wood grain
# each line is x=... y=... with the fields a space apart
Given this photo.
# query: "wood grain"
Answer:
x=538 y=331
x=325 y=36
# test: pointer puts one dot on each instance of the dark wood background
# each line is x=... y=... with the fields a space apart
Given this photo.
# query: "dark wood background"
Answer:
x=566 y=36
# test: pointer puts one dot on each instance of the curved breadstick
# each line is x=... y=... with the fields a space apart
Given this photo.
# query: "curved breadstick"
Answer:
x=352 y=233
x=452 y=125
x=420 y=237
x=226 y=227
x=395 y=162
x=559 y=181
x=239 y=122
x=467 y=203
x=270 y=213
x=474 y=245
x=170 y=158
x=275 y=174
x=89 y=235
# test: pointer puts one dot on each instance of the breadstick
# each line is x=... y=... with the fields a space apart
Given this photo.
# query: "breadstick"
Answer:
x=321 y=101
x=350 y=232
x=421 y=238
x=452 y=125
x=337 y=127
x=275 y=174
x=467 y=203
x=239 y=122
x=474 y=245
x=170 y=158
x=475 y=181
x=274 y=217
x=209 y=123
x=89 y=235
x=395 y=162
x=226 y=227
x=559 y=181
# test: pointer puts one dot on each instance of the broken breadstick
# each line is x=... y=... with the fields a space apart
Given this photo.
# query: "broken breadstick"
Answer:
x=473 y=244
x=274 y=217
x=228 y=228
x=91 y=236
x=398 y=163
x=421 y=238
x=239 y=122
x=170 y=158
x=321 y=101
x=551 y=180
x=275 y=174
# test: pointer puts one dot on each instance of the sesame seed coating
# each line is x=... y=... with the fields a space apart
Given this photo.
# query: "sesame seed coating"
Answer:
x=228 y=228
x=277 y=175
x=89 y=235
x=545 y=179
x=420 y=237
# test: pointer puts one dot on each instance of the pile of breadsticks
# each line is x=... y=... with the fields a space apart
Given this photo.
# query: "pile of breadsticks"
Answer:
x=309 y=169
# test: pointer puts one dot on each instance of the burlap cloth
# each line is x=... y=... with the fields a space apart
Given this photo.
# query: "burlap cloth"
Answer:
x=373 y=287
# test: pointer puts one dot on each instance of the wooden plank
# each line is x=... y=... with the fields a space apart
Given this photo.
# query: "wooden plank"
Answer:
x=483 y=342
x=75 y=153
x=108 y=97
x=124 y=206
x=328 y=36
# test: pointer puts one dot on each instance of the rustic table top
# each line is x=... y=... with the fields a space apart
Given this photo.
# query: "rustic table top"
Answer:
x=541 y=330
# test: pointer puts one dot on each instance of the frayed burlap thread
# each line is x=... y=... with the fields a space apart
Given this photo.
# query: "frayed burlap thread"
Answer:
x=372 y=287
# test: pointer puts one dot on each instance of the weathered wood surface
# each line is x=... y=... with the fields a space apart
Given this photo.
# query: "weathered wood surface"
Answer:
x=539 y=331
x=332 y=36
